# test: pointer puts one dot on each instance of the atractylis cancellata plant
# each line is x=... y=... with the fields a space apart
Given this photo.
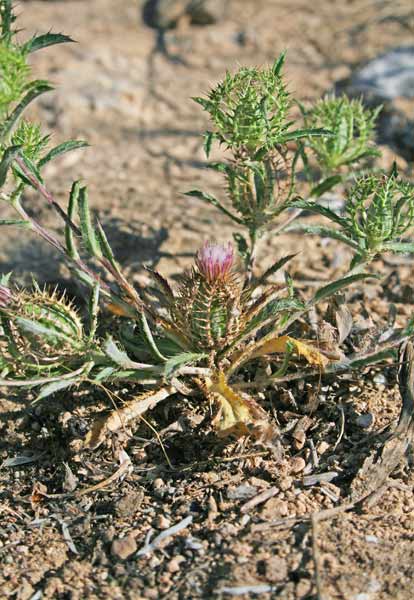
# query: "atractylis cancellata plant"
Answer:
x=250 y=111
x=218 y=335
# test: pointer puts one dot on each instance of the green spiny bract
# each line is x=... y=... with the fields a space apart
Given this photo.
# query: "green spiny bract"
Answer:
x=14 y=73
x=42 y=331
x=214 y=310
x=249 y=110
x=30 y=139
x=380 y=211
x=260 y=190
x=353 y=128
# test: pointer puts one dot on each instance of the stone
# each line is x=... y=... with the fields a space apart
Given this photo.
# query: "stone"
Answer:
x=123 y=547
x=388 y=76
x=276 y=569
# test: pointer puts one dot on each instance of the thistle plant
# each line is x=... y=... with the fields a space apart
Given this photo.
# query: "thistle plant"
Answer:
x=218 y=335
x=378 y=214
x=353 y=128
x=250 y=111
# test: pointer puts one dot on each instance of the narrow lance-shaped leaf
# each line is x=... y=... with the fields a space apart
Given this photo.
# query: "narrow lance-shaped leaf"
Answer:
x=180 y=360
x=88 y=232
x=37 y=88
x=278 y=64
x=324 y=211
x=321 y=231
x=399 y=247
x=339 y=284
x=212 y=200
x=61 y=149
x=44 y=40
x=9 y=156
x=302 y=133
x=275 y=267
x=121 y=358
x=146 y=332
x=93 y=310
x=55 y=386
x=325 y=185
x=72 y=211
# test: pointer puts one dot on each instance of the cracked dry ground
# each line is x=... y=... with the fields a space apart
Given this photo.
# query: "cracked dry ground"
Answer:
x=146 y=150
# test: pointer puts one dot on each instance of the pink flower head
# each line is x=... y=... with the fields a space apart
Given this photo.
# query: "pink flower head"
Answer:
x=215 y=261
x=5 y=296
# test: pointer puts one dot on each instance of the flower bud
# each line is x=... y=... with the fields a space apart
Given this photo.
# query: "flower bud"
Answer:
x=214 y=261
x=5 y=296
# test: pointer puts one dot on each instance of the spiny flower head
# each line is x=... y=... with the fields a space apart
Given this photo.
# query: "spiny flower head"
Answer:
x=215 y=261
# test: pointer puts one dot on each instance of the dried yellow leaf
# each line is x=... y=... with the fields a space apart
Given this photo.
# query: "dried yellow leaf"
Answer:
x=282 y=343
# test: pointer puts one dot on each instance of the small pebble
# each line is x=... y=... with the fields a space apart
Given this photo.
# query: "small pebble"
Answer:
x=297 y=464
x=161 y=522
x=124 y=547
x=285 y=483
x=174 y=564
x=365 y=420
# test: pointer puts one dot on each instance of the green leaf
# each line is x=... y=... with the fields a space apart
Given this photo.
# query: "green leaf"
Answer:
x=15 y=222
x=322 y=231
x=121 y=358
x=72 y=210
x=62 y=149
x=55 y=386
x=399 y=247
x=8 y=157
x=339 y=284
x=320 y=210
x=278 y=64
x=36 y=89
x=275 y=267
x=89 y=236
x=104 y=244
x=180 y=360
x=209 y=137
x=242 y=247
x=147 y=334
x=325 y=185
x=31 y=167
x=302 y=133
x=44 y=40
x=212 y=200
x=37 y=328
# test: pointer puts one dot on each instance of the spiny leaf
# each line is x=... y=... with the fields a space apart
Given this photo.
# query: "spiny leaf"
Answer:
x=323 y=232
x=89 y=236
x=302 y=133
x=55 y=386
x=15 y=222
x=275 y=268
x=339 y=284
x=121 y=358
x=180 y=360
x=44 y=40
x=72 y=211
x=283 y=344
x=212 y=200
x=61 y=149
x=36 y=89
x=325 y=185
x=8 y=157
